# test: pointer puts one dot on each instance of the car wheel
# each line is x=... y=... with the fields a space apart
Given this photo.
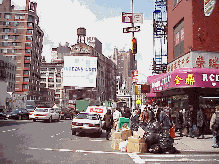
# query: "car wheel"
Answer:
x=73 y=132
x=34 y=120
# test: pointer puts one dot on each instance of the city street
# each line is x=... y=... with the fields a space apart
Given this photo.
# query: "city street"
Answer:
x=25 y=141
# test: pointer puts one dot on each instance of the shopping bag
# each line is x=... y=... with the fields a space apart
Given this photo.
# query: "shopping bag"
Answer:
x=172 y=132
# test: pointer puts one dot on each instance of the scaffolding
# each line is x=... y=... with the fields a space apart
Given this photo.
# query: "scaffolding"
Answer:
x=160 y=36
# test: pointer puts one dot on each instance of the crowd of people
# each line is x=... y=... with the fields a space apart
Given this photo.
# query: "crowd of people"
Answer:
x=193 y=122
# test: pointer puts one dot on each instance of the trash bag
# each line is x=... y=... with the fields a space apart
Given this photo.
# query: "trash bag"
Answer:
x=154 y=149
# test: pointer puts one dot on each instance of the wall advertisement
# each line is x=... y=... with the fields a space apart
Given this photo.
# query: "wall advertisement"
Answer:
x=80 y=71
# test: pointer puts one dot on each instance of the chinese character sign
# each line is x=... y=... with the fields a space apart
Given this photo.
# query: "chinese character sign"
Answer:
x=190 y=79
x=177 y=80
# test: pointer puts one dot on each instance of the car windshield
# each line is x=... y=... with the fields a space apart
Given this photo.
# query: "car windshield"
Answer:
x=16 y=110
x=93 y=117
x=82 y=116
x=41 y=110
x=29 y=107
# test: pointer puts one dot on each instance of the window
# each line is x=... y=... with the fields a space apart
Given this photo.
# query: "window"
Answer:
x=14 y=51
x=179 y=39
x=16 y=23
x=27 y=58
x=14 y=37
x=28 y=44
x=30 y=25
x=58 y=85
x=7 y=16
x=6 y=23
x=28 y=37
x=58 y=80
x=14 y=44
x=15 y=31
x=25 y=86
x=26 y=72
x=5 y=51
x=6 y=30
x=6 y=37
x=26 y=79
x=26 y=65
x=27 y=51
x=19 y=16
x=29 y=31
x=30 y=18
x=5 y=44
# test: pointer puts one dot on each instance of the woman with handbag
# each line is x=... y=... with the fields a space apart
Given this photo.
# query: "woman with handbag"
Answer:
x=214 y=126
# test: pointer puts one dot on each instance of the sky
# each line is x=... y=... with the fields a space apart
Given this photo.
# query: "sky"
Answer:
x=59 y=21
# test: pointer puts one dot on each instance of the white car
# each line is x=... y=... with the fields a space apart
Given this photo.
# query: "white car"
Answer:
x=46 y=114
x=87 y=122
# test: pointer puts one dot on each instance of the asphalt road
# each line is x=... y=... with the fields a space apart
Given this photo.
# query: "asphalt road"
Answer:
x=25 y=141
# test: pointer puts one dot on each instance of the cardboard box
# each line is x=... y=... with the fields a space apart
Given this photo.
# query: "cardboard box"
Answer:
x=115 y=144
x=136 y=147
x=135 y=134
x=125 y=134
x=136 y=140
x=117 y=135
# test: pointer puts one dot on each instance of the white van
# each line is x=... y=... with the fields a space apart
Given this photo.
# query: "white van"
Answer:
x=101 y=110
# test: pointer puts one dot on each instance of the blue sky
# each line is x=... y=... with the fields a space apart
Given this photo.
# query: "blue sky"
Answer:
x=102 y=19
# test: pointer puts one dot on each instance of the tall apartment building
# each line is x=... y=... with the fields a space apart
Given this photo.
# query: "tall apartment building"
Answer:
x=21 y=39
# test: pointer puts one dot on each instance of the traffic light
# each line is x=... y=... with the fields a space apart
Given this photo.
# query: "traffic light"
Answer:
x=136 y=89
x=134 y=45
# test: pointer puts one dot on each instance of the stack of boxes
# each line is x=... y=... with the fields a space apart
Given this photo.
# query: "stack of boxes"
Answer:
x=136 y=144
x=118 y=137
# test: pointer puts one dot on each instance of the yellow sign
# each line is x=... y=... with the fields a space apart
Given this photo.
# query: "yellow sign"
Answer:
x=177 y=80
x=190 y=79
x=138 y=101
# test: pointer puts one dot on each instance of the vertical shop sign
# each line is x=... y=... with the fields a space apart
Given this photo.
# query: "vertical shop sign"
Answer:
x=200 y=62
x=212 y=62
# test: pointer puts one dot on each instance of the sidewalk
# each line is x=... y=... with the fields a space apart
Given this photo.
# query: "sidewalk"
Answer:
x=188 y=144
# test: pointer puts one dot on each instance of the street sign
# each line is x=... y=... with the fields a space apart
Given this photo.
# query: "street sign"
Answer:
x=137 y=17
x=131 y=29
x=126 y=17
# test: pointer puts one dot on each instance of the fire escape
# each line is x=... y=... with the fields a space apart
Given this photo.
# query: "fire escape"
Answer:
x=160 y=36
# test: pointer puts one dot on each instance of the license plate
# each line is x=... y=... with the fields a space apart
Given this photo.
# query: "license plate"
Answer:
x=86 y=125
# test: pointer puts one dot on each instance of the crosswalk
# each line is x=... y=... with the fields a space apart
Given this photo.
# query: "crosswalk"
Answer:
x=196 y=158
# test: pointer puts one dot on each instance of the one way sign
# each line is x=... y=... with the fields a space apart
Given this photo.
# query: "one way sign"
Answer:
x=131 y=29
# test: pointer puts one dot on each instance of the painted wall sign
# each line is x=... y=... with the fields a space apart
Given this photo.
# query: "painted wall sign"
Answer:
x=195 y=60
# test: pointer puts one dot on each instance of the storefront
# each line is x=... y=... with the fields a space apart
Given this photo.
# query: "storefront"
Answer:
x=187 y=86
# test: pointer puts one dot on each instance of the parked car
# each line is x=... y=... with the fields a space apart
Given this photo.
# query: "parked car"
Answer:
x=66 y=113
x=46 y=114
x=19 y=114
x=2 y=114
x=87 y=122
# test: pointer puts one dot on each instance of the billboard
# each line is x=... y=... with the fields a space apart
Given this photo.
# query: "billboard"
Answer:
x=80 y=71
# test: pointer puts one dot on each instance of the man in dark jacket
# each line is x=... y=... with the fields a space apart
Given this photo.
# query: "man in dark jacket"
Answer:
x=127 y=113
x=189 y=119
x=166 y=120
x=179 y=122
x=108 y=118
x=201 y=122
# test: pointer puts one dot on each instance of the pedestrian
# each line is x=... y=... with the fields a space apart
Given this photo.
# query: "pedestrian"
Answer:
x=116 y=115
x=144 y=117
x=134 y=121
x=179 y=122
x=189 y=120
x=127 y=113
x=108 y=118
x=201 y=122
x=166 y=119
x=158 y=114
x=214 y=126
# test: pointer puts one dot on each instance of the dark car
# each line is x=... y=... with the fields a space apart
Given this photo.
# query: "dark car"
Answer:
x=2 y=114
x=19 y=114
x=66 y=113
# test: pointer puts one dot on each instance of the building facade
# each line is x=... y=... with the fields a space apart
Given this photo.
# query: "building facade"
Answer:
x=192 y=71
x=21 y=39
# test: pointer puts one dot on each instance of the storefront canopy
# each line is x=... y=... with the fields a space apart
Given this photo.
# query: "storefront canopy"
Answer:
x=184 y=78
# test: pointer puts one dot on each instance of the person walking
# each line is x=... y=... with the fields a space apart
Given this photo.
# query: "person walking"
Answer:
x=201 y=122
x=108 y=118
x=134 y=121
x=214 y=126
x=127 y=113
x=116 y=115
x=179 y=122
x=166 y=120
x=189 y=117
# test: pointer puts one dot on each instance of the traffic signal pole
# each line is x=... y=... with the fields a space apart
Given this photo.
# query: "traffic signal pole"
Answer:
x=133 y=54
